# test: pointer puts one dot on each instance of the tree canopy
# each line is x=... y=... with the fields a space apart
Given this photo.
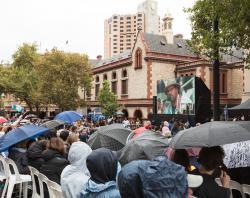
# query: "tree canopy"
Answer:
x=51 y=78
x=234 y=26
x=107 y=100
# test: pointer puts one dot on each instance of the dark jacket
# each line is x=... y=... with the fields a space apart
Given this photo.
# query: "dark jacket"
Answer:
x=210 y=189
x=19 y=156
x=53 y=165
x=34 y=154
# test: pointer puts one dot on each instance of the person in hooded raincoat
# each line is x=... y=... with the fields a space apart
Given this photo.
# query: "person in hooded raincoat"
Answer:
x=75 y=175
x=103 y=167
x=156 y=178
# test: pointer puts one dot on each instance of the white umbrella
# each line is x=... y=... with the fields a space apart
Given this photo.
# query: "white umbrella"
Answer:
x=237 y=154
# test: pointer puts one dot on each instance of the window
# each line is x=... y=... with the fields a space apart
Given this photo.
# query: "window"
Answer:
x=138 y=59
x=114 y=25
x=105 y=77
x=97 y=79
x=139 y=15
x=121 y=18
x=223 y=83
x=114 y=87
x=124 y=83
x=114 y=29
x=124 y=73
x=128 y=18
x=114 y=75
x=139 y=20
x=115 y=35
x=124 y=87
x=115 y=17
x=97 y=87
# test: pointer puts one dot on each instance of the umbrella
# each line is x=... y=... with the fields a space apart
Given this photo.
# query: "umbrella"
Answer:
x=119 y=114
x=3 y=120
x=237 y=154
x=147 y=146
x=111 y=136
x=212 y=134
x=68 y=116
x=243 y=106
x=20 y=134
x=52 y=124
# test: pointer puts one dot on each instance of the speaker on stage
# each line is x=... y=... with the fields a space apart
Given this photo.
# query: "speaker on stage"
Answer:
x=154 y=104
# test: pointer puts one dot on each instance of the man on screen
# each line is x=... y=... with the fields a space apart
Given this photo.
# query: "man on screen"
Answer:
x=173 y=91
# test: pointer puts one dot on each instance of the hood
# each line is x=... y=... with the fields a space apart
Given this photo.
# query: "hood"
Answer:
x=91 y=186
x=102 y=165
x=78 y=153
x=50 y=154
x=36 y=149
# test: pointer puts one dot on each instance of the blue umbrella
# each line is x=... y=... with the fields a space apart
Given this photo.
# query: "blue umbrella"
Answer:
x=68 y=116
x=20 y=134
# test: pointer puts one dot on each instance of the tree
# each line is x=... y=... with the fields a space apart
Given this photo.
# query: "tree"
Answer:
x=63 y=75
x=234 y=26
x=220 y=26
x=21 y=78
x=107 y=100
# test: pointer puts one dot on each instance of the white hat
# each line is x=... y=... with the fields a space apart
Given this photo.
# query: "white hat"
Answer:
x=194 y=181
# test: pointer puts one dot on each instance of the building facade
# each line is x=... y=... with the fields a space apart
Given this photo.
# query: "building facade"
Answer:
x=133 y=74
x=120 y=30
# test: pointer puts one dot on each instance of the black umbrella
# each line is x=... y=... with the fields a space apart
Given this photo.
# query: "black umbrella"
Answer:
x=146 y=146
x=52 y=124
x=212 y=134
x=111 y=136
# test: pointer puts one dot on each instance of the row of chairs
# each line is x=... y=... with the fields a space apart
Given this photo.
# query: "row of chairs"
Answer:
x=244 y=189
x=10 y=175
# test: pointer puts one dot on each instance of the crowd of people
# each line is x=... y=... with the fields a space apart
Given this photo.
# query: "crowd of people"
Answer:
x=64 y=156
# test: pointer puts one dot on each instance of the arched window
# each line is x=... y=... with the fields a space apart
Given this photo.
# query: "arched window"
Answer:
x=138 y=59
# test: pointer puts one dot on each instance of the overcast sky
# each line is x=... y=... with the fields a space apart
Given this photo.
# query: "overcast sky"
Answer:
x=51 y=23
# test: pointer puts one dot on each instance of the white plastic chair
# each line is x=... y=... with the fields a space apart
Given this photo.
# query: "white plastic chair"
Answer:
x=3 y=174
x=16 y=178
x=246 y=189
x=233 y=186
x=236 y=186
x=43 y=180
x=55 y=190
x=35 y=173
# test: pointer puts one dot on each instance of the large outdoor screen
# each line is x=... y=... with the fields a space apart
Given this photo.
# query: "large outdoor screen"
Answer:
x=176 y=96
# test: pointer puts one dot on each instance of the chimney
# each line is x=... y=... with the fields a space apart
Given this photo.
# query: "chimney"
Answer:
x=99 y=57
x=180 y=36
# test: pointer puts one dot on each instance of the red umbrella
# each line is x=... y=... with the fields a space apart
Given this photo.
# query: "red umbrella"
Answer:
x=3 y=120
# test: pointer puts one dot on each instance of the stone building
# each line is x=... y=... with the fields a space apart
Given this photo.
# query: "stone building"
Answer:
x=133 y=74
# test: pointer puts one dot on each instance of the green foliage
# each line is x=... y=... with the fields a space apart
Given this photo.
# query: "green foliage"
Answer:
x=234 y=26
x=63 y=74
x=107 y=100
x=52 y=78
x=25 y=56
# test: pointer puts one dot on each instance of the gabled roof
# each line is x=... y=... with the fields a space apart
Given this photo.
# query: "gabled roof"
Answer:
x=124 y=55
x=159 y=44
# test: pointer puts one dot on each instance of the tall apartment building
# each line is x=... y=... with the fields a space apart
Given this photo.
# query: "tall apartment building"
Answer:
x=120 y=30
x=120 y=33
